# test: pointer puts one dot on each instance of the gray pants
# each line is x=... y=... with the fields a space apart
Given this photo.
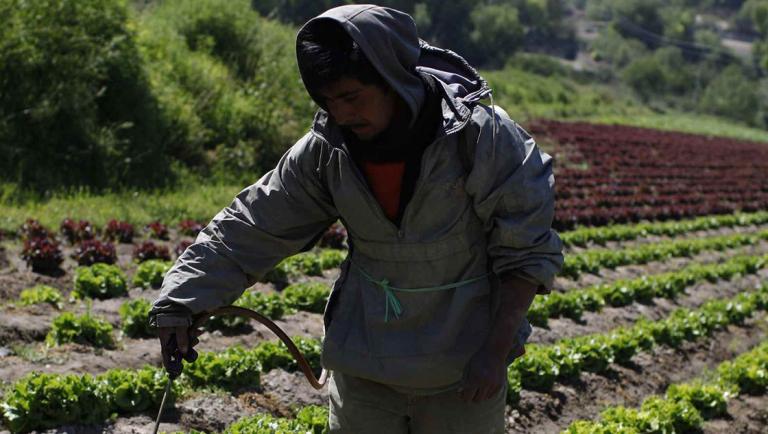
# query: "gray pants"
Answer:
x=364 y=407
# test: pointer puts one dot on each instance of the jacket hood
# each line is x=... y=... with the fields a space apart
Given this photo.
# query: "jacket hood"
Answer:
x=389 y=40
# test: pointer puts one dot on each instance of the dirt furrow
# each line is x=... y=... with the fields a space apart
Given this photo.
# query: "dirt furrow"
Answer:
x=607 y=275
x=611 y=317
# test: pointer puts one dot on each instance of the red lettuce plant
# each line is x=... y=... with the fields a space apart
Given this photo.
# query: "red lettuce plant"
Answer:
x=181 y=247
x=157 y=230
x=77 y=231
x=32 y=229
x=190 y=227
x=90 y=252
x=149 y=250
x=334 y=237
x=119 y=231
x=43 y=255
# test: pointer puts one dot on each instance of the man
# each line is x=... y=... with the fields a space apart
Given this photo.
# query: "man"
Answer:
x=448 y=204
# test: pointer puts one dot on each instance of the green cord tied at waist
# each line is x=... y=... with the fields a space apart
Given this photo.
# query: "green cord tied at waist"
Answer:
x=390 y=299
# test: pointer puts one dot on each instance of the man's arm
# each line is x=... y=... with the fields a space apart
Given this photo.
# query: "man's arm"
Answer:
x=514 y=196
x=274 y=218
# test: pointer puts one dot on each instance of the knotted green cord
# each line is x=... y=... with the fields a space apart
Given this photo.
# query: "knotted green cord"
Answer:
x=390 y=299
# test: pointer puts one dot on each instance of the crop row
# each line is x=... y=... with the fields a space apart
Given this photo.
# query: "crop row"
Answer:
x=600 y=235
x=89 y=330
x=42 y=401
x=685 y=407
x=543 y=365
x=668 y=169
x=572 y=304
x=591 y=261
x=104 y=281
x=48 y=400
x=305 y=296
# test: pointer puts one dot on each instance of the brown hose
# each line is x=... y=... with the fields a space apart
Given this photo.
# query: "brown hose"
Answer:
x=318 y=384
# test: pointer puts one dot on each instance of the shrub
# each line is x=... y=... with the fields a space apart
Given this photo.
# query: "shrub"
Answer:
x=41 y=294
x=43 y=255
x=119 y=231
x=83 y=329
x=73 y=94
x=99 y=281
x=149 y=250
x=157 y=230
x=90 y=252
x=76 y=231
x=315 y=418
x=308 y=296
x=150 y=273
x=134 y=317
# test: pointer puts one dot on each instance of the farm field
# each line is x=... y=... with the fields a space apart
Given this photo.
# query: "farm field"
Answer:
x=658 y=320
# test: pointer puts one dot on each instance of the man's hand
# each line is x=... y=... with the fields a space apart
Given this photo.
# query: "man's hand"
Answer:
x=485 y=374
x=177 y=343
x=486 y=371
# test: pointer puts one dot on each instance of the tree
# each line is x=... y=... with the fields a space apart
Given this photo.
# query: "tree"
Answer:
x=496 y=33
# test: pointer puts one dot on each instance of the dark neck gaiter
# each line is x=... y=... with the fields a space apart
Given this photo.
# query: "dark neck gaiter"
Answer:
x=401 y=143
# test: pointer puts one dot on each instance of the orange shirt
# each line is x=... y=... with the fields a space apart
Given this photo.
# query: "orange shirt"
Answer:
x=386 y=180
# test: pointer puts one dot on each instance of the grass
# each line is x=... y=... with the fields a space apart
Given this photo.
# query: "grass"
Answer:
x=198 y=202
x=527 y=96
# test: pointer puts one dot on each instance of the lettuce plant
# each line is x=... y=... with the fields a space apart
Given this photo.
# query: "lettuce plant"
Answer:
x=119 y=231
x=150 y=273
x=83 y=329
x=90 y=252
x=41 y=294
x=149 y=250
x=99 y=281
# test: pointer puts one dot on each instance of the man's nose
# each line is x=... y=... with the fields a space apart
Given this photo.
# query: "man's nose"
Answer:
x=342 y=113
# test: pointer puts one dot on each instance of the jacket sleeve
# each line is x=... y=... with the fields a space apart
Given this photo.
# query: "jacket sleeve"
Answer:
x=512 y=186
x=268 y=221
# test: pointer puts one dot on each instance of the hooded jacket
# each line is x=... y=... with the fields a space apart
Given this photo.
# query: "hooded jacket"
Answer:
x=462 y=229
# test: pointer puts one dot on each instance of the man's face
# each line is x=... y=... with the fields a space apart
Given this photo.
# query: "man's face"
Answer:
x=364 y=109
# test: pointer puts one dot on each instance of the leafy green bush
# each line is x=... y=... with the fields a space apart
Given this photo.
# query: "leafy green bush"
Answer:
x=83 y=329
x=226 y=80
x=99 y=281
x=73 y=94
x=41 y=294
x=308 y=296
x=134 y=316
x=150 y=273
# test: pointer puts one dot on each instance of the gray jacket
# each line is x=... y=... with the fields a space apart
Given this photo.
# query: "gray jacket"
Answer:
x=462 y=224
